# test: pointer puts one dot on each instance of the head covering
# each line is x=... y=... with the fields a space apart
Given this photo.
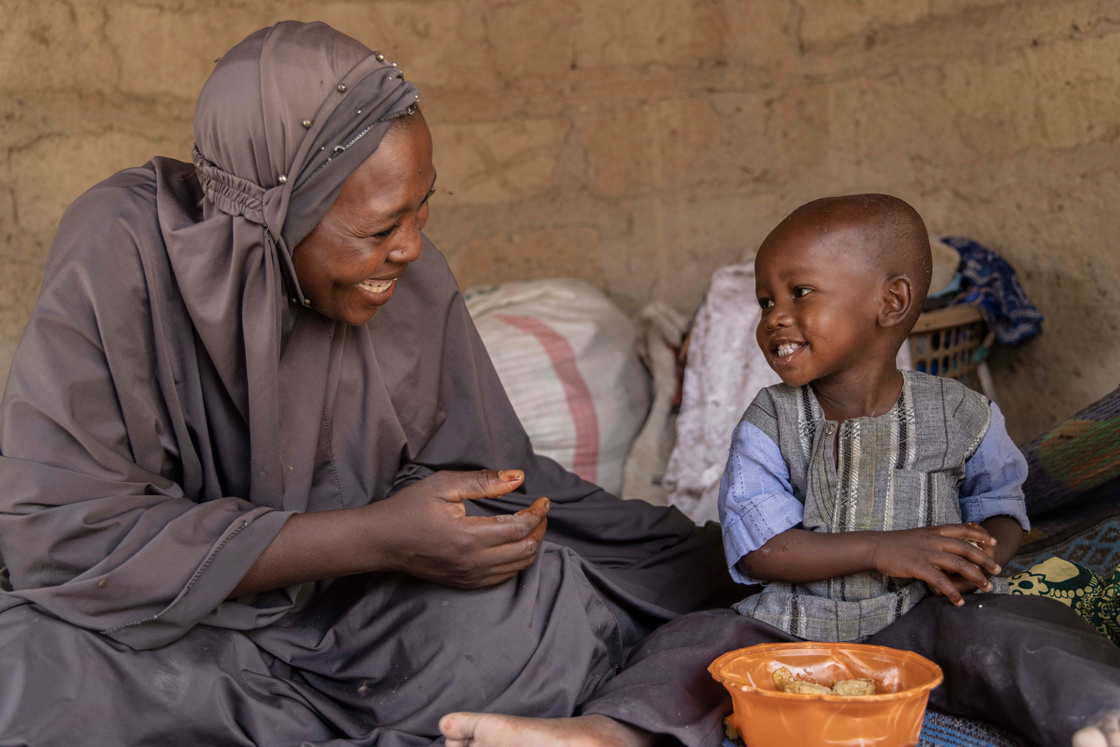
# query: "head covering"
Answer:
x=279 y=159
x=285 y=118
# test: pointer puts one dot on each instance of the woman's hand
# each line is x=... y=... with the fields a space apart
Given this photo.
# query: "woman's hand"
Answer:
x=425 y=531
x=951 y=558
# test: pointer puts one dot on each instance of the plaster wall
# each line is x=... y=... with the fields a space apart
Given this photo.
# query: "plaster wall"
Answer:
x=641 y=144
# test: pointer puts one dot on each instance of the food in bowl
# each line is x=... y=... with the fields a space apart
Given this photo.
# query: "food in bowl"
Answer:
x=859 y=686
x=767 y=716
x=787 y=683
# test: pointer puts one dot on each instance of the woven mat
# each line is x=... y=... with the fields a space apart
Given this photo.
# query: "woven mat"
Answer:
x=941 y=730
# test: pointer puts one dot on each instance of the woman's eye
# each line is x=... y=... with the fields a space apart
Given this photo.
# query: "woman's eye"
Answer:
x=765 y=303
x=383 y=234
x=801 y=292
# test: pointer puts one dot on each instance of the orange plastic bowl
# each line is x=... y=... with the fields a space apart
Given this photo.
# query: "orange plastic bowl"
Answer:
x=768 y=717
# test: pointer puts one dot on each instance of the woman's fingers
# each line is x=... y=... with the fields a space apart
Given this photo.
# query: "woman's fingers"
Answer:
x=505 y=529
x=482 y=483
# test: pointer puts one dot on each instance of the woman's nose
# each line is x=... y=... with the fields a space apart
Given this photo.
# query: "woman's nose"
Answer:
x=409 y=247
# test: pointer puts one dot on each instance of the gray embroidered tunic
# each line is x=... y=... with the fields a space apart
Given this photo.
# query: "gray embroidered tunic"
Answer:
x=900 y=470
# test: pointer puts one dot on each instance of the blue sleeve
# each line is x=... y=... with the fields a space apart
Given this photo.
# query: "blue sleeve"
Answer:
x=993 y=477
x=755 y=498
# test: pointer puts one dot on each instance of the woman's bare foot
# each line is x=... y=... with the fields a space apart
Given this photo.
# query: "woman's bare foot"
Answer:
x=497 y=730
x=1104 y=733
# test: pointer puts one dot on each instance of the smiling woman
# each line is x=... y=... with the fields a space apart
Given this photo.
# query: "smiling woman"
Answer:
x=349 y=263
x=259 y=482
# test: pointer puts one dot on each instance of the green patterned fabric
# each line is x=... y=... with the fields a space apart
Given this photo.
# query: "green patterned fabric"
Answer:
x=1074 y=457
x=1077 y=587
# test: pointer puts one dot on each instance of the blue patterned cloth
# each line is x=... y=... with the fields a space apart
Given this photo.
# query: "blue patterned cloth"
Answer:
x=941 y=730
x=989 y=283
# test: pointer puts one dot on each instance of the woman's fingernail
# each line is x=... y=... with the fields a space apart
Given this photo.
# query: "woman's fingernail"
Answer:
x=998 y=569
x=547 y=504
x=510 y=475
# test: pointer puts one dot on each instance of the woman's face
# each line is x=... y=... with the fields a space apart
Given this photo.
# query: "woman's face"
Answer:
x=349 y=264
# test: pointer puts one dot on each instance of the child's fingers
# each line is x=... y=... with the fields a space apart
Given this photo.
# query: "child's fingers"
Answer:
x=940 y=584
x=970 y=531
x=975 y=554
x=955 y=564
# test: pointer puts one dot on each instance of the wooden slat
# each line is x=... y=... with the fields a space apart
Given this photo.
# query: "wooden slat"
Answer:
x=950 y=316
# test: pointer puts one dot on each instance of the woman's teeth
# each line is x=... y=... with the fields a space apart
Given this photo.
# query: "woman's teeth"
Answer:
x=377 y=286
x=788 y=348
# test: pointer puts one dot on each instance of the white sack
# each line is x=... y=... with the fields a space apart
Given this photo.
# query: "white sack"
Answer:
x=565 y=355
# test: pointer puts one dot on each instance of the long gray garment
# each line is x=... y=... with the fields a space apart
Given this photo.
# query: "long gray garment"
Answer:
x=173 y=400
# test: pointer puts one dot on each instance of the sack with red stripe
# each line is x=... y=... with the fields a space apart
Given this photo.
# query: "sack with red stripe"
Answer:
x=566 y=357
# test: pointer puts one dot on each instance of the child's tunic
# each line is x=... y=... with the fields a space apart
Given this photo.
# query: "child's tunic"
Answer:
x=900 y=470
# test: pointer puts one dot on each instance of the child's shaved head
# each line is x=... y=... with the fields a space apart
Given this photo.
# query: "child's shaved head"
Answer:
x=841 y=283
x=891 y=235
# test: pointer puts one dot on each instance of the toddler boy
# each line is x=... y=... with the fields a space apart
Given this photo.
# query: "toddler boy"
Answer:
x=854 y=488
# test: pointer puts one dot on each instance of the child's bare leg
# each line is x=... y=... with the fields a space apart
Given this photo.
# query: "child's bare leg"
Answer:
x=1104 y=733
x=497 y=730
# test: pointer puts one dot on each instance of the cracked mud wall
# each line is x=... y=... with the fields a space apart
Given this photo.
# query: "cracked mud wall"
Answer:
x=641 y=144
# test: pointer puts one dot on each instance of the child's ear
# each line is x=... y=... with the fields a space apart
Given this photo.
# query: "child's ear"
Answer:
x=898 y=299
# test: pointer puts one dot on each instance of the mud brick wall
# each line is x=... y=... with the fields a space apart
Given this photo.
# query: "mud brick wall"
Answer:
x=641 y=144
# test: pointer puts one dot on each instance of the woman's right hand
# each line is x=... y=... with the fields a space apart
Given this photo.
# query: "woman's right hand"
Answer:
x=933 y=554
x=424 y=530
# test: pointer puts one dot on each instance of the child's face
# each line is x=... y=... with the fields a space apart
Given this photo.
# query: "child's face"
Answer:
x=820 y=302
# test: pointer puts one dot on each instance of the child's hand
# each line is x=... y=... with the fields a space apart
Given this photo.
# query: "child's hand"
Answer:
x=935 y=554
x=962 y=584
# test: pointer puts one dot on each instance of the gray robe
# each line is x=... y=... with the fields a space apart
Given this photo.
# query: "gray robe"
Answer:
x=173 y=400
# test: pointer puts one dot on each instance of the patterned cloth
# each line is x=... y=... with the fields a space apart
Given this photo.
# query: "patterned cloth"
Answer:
x=990 y=283
x=1095 y=545
x=1073 y=458
x=1077 y=587
x=900 y=470
x=942 y=730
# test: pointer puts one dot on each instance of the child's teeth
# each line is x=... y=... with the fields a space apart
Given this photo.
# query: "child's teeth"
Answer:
x=787 y=348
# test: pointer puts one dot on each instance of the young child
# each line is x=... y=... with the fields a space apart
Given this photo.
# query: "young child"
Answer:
x=854 y=488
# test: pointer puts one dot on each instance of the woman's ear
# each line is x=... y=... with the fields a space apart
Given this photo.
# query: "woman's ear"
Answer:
x=898 y=300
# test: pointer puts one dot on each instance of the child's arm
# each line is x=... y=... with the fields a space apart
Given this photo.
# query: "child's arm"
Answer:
x=930 y=554
x=992 y=493
x=756 y=501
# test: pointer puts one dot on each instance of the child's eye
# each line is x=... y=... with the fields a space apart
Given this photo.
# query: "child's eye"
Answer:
x=765 y=303
x=801 y=292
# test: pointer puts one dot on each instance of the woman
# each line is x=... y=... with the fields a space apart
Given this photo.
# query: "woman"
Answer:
x=243 y=441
